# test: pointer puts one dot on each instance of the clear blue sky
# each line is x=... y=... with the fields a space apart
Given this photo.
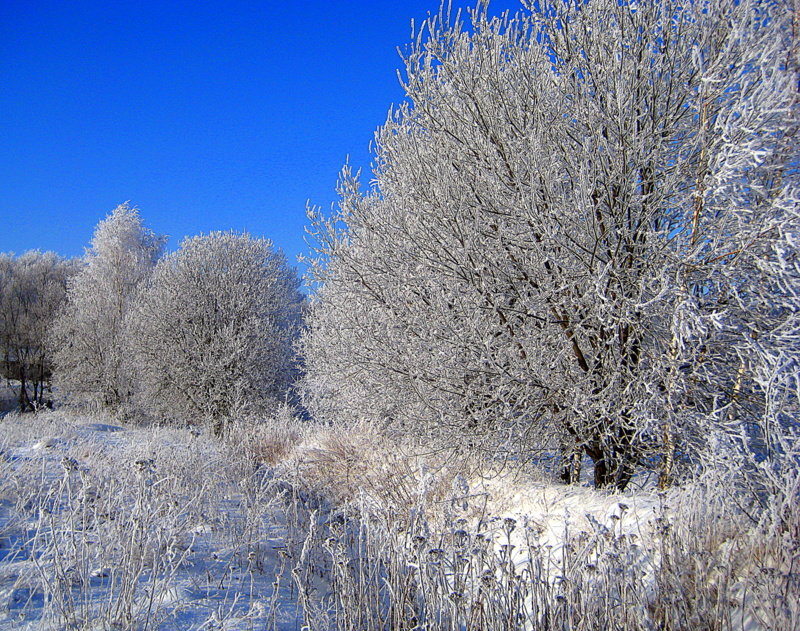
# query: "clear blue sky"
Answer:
x=206 y=115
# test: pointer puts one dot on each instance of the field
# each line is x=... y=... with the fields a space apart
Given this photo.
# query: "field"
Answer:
x=289 y=526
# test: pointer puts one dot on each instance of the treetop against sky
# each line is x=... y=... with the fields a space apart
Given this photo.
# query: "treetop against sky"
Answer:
x=207 y=116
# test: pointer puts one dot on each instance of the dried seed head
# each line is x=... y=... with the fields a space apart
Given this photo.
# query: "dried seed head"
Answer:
x=436 y=554
x=69 y=464
x=460 y=538
x=537 y=530
x=509 y=523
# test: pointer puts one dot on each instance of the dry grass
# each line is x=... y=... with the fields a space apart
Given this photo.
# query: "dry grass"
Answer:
x=362 y=466
x=724 y=562
x=105 y=529
x=268 y=442
x=405 y=537
x=419 y=548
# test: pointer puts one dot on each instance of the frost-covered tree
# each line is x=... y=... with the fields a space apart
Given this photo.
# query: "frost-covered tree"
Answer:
x=32 y=289
x=580 y=235
x=88 y=338
x=212 y=332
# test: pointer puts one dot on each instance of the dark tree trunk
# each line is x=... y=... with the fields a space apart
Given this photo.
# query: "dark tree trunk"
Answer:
x=612 y=463
x=613 y=467
x=602 y=472
x=24 y=401
x=571 y=471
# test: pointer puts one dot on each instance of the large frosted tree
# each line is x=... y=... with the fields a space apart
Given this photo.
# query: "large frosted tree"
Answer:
x=88 y=338
x=581 y=235
x=213 y=329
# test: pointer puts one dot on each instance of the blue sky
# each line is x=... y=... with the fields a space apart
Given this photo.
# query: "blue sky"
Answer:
x=206 y=115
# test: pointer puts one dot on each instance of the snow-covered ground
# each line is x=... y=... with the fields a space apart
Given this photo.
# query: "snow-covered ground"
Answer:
x=104 y=526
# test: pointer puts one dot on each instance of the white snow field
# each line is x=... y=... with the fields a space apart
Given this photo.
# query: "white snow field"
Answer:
x=104 y=527
x=111 y=527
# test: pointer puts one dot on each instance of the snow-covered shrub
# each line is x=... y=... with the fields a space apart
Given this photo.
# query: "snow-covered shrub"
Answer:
x=724 y=559
x=353 y=464
x=212 y=330
x=269 y=441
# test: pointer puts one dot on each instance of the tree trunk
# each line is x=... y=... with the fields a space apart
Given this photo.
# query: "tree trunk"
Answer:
x=571 y=471
x=24 y=401
x=613 y=463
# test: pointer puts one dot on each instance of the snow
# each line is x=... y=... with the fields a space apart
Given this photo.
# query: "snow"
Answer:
x=227 y=571
x=534 y=517
x=104 y=526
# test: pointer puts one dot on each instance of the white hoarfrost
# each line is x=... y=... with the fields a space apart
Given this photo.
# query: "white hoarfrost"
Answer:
x=108 y=527
x=88 y=337
x=575 y=238
x=104 y=527
x=211 y=332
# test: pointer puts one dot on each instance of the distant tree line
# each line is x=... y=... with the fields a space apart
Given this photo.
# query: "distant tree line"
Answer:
x=33 y=287
x=202 y=334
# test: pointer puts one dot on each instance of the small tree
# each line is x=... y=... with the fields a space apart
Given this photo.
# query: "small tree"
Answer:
x=212 y=331
x=32 y=289
x=88 y=336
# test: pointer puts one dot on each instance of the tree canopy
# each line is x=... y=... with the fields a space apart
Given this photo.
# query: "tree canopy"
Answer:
x=580 y=235
x=212 y=330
